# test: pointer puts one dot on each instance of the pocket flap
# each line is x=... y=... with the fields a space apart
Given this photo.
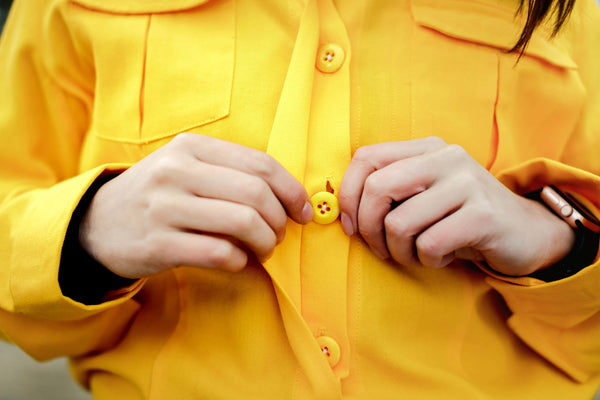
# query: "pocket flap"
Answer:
x=490 y=25
x=139 y=6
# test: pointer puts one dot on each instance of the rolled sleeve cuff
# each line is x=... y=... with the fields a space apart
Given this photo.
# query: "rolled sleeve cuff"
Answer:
x=34 y=284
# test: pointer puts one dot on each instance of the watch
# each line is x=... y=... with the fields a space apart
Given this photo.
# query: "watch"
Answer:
x=585 y=225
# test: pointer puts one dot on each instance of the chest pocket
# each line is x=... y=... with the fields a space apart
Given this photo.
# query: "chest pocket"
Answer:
x=469 y=90
x=162 y=67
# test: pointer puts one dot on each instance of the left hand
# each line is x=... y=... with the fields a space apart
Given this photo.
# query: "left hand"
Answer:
x=449 y=207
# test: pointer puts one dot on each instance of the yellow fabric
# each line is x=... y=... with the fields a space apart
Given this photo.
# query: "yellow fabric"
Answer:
x=91 y=86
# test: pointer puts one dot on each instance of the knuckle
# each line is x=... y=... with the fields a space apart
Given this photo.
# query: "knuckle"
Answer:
x=428 y=246
x=482 y=213
x=374 y=184
x=166 y=168
x=368 y=234
x=256 y=190
x=269 y=245
x=246 y=220
x=401 y=257
x=402 y=250
x=456 y=151
x=345 y=199
x=295 y=200
x=279 y=223
x=222 y=253
x=395 y=227
x=261 y=164
x=363 y=153
x=436 y=141
x=183 y=140
x=463 y=181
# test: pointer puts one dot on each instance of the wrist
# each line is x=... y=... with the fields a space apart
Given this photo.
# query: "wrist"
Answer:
x=81 y=277
x=584 y=228
x=576 y=260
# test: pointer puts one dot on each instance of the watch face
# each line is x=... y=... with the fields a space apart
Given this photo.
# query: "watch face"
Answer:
x=569 y=209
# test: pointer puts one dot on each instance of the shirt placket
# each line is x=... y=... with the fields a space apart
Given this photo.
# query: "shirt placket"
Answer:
x=324 y=253
x=310 y=137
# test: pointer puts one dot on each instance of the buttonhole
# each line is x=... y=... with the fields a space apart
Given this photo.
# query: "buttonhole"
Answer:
x=329 y=188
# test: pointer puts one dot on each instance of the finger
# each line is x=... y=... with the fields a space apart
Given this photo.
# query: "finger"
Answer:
x=186 y=249
x=226 y=218
x=394 y=183
x=288 y=189
x=223 y=183
x=439 y=245
x=371 y=158
x=407 y=221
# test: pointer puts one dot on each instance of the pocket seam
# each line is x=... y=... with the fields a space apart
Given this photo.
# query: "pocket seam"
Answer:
x=138 y=7
x=502 y=35
x=181 y=110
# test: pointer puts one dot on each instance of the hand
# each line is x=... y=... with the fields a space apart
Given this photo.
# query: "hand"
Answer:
x=448 y=207
x=197 y=201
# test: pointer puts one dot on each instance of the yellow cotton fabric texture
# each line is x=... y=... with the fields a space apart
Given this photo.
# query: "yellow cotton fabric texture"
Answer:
x=89 y=87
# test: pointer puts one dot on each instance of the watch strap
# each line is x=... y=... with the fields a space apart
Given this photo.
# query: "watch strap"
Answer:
x=582 y=254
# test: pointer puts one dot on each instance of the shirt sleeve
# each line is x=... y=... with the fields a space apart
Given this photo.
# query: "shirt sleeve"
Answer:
x=561 y=320
x=46 y=97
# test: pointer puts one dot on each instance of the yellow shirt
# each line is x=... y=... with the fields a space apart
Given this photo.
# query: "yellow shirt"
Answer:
x=91 y=86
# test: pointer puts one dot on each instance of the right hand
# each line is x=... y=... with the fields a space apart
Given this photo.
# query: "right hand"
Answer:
x=198 y=201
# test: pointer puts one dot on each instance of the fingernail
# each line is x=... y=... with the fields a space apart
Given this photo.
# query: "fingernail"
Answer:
x=379 y=254
x=266 y=257
x=280 y=236
x=347 y=224
x=307 y=213
x=447 y=259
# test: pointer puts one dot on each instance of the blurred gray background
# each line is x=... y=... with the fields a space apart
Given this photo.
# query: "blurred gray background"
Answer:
x=22 y=378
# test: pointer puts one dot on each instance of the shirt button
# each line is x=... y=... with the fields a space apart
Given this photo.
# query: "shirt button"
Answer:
x=330 y=58
x=325 y=207
x=330 y=349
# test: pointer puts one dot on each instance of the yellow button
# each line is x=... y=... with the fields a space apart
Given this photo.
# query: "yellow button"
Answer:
x=330 y=349
x=330 y=58
x=325 y=207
